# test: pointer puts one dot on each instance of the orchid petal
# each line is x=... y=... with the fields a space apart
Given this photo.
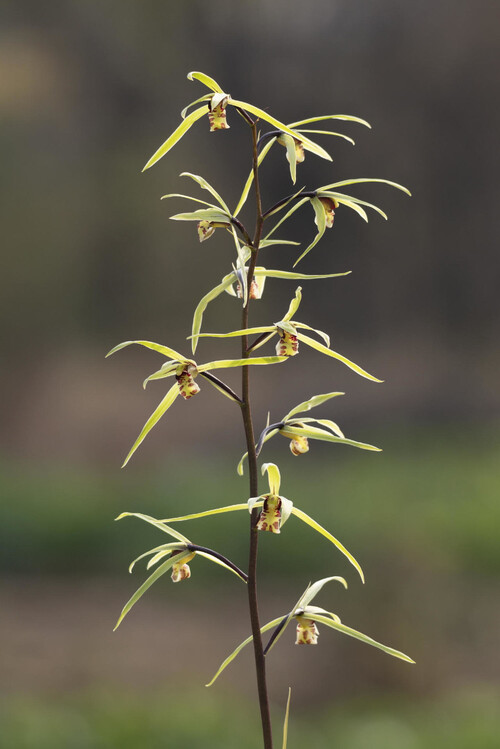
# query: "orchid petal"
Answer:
x=270 y=242
x=281 y=126
x=319 y=212
x=205 y=97
x=205 y=513
x=248 y=183
x=339 y=197
x=319 y=610
x=188 y=197
x=289 y=144
x=218 y=561
x=327 y=132
x=254 y=502
x=345 y=117
x=206 y=80
x=163 y=406
x=296 y=276
x=331 y=425
x=241 y=265
x=172 y=546
x=178 y=558
x=202 y=305
x=267 y=437
x=328 y=352
x=176 y=135
x=294 y=305
x=206 y=186
x=286 y=509
x=320 y=434
x=319 y=528
x=237 y=333
x=214 y=215
x=274 y=477
x=316 y=400
x=240 y=647
x=223 y=363
x=323 y=335
x=345 y=182
x=160 y=524
x=355 y=207
x=165 y=350
x=162 y=373
x=287 y=215
x=359 y=636
x=312 y=590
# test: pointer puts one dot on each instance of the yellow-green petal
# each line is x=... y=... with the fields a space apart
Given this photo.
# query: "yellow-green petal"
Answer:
x=359 y=636
x=319 y=212
x=181 y=130
x=224 y=363
x=160 y=524
x=294 y=305
x=316 y=400
x=206 y=513
x=163 y=547
x=319 y=528
x=155 y=417
x=206 y=186
x=324 y=436
x=289 y=144
x=202 y=305
x=345 y=182
x=345 y=117
x=240 y=647
x=287 y=714
x=328 y=352
x=248 y=183
x=165 y=350
x=210 y=83
x=312 y=590
x=274 y=477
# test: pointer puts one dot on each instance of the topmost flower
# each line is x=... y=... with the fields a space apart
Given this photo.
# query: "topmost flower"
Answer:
x=214 y=105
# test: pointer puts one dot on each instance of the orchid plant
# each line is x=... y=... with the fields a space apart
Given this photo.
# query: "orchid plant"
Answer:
x=245 y=280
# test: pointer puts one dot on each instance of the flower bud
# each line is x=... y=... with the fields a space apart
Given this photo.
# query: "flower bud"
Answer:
x=270 y=515
x=307 y=632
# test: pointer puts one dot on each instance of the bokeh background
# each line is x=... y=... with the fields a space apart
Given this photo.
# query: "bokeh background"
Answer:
x=88 y=90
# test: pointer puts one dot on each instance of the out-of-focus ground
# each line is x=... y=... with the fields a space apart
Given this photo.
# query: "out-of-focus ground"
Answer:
x=89 y=258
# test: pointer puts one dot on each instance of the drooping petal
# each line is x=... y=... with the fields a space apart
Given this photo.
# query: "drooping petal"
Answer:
x=248 y=183
x=287 y=715
x=176 y=135
x=294 y=152
x=312 y=590
x=273 y=475
x=207 y=186
x=160 y=524
x=294 y=305
x=202 y=305
x=240 y=647
x=165 y=350
x=320 y=221
x=328 y=352
x=316 y=400
x=147 y=584
x=321 y=434
x=225 y=363
x=345 y=182
x=206 y=513
x=155 y=417
x=345 y=117
x=329 y=207
x=164 y=547
x=329 y=622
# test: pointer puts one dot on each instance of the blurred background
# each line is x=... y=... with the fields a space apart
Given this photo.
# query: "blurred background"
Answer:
x=88 y=91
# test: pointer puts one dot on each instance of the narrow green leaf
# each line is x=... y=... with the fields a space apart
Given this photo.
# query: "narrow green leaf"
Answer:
x=309 y=144
x=320 y=220
x=328 y=352
x=154 y=419
x=240 y=647
x=165 y=350
x=176 y=135
x=149 y=582
x=319 y=528
x=359 y=636
x=206 y=80
x=316 y=400
x=287 y=715
x=206 y=186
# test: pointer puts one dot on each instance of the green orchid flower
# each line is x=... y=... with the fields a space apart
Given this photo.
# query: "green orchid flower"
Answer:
x=325 y=200
x=299 y=430
x=215 y=105
x=275 y=511
x=287 y=330
x=176 y=555
x=307 y=618
x=185 y=370
x=237 y=278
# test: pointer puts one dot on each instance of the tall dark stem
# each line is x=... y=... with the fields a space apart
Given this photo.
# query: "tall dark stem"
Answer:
x=260 y=663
